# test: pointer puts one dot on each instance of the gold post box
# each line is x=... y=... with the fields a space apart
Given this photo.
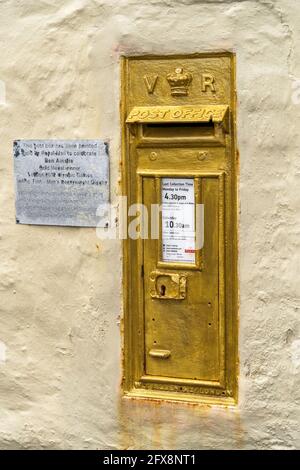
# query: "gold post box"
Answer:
x=180 y=279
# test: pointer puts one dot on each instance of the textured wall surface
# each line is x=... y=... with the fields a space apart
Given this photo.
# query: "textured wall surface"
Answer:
x=60 y=306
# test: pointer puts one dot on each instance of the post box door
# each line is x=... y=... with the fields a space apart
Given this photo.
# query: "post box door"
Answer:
x=182 y=317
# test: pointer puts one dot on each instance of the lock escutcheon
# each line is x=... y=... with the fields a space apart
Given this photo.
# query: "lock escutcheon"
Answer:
x=166 y=286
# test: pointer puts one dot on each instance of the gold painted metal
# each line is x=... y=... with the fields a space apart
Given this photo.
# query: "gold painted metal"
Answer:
x=160 y=353
x=181 y=114
x=180 y=319
x=150 y=82
x=166 y=286
x=179 y=82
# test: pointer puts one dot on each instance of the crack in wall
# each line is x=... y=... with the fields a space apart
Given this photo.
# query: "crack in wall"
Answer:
x=278 y=12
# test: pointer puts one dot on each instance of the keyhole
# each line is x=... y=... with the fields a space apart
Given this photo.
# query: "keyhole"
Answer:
x=162 y=290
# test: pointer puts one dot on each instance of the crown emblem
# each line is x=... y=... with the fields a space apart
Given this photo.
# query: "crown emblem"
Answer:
x=179 y=82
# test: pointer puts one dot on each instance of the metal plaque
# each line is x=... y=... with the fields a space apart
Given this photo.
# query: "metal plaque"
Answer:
x=61 y=182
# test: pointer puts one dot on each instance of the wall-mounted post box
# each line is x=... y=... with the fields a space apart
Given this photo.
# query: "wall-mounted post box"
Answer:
x=180 y=278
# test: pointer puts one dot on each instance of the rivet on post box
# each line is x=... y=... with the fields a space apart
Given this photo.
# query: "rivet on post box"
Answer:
x=180 y=279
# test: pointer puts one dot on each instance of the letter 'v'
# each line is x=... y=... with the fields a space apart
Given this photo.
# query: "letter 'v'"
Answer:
x=150 y=81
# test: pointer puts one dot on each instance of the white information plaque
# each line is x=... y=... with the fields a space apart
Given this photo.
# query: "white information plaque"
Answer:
x=61 y=182
x=178 y=220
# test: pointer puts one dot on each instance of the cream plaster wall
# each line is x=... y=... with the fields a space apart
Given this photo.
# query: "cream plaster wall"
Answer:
x=60 y=348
